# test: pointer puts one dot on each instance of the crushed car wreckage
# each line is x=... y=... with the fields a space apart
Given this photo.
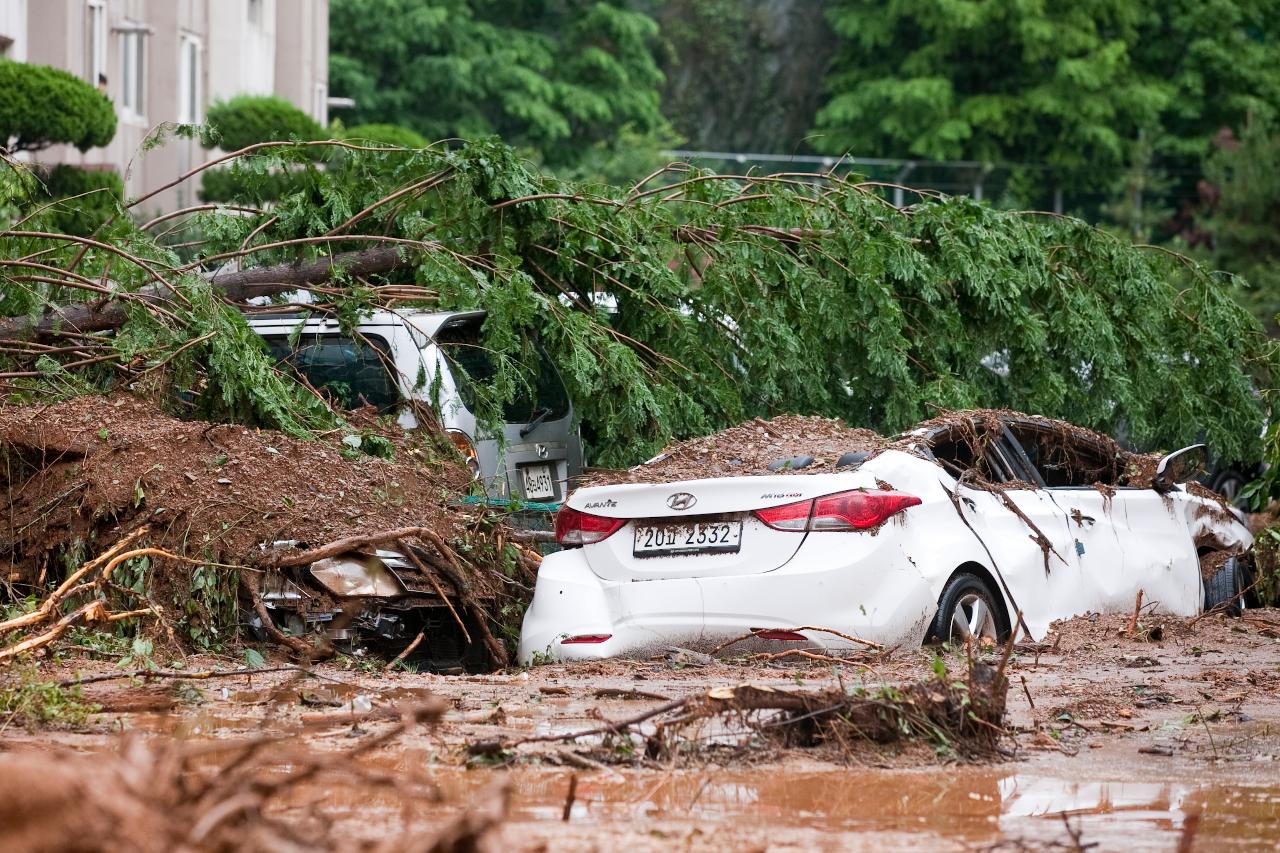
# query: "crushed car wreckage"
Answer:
x=974 y=524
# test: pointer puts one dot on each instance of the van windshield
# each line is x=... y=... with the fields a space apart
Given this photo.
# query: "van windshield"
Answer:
x=473 y=366
x=353 y=372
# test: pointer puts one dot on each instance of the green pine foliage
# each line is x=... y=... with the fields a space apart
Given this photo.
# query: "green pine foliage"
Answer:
x=556 y=78
x=697 y=301
x=1245 y=221
x=695 y=305
x=42 y=106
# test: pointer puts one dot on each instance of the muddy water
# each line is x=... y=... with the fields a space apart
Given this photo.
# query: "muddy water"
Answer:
x=948 y=808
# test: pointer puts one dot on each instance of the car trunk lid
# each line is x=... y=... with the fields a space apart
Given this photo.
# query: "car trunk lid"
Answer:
x=698 y=528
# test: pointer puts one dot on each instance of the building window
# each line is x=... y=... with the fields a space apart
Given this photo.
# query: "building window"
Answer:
x=133 y=71
x=188 y=79
x=96 y=44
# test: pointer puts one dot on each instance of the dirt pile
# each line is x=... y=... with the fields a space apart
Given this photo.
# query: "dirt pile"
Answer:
x=749 y=448
x=752 y=447
x=85 y=473
x=76 y=469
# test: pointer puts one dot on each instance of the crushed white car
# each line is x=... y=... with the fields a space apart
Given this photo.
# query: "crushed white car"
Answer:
x=980 y=524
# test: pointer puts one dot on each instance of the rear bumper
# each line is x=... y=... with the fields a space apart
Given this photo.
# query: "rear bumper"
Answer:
x=887 y=604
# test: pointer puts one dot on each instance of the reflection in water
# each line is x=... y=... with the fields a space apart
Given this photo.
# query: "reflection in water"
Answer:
x=963 y=805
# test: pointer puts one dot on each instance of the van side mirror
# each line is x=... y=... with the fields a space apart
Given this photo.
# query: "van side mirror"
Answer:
x=1181 y=466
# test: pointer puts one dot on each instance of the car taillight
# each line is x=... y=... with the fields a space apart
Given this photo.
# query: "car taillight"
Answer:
x=468 y=451
x=858 y=510
x=855 y=510
x=582 y=528
x=788 y=516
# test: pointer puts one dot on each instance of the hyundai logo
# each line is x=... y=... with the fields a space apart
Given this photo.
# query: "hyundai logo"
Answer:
x=542 y=450
x=681 y=500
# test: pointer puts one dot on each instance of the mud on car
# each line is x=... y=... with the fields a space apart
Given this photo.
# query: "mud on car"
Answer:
x=978 y=524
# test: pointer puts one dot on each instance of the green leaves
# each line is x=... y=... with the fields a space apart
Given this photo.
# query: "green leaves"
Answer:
x=1069 y=86
x=44 y=106
x=555 y=78
x=700 y=300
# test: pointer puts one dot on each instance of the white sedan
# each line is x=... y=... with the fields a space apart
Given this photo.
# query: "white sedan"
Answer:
x=949 y=532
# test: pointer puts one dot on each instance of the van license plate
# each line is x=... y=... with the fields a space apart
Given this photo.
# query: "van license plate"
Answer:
x=538 y=484
x=688 y=537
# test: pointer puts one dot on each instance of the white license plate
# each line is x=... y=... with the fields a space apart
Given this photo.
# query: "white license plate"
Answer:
x=688 y=537
x=537 y=482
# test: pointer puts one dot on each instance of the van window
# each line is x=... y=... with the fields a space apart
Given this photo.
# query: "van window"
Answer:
x=354 y=372
x=473 y=366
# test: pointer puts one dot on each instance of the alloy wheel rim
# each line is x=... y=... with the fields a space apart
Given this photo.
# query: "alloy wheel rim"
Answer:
x=973 y=617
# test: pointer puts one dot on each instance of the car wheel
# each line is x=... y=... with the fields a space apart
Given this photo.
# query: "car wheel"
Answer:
x=967 y=609
x=1225 y=590
x=1229 y=484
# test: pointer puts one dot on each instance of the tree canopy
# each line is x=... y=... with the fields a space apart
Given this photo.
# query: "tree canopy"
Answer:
x=43 y=106
x=1070 y=86
x=556 y=78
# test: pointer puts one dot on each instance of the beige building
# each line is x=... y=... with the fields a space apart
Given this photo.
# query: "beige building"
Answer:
x=165 y=61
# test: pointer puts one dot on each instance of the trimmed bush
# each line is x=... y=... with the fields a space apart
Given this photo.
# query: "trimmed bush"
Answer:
x=249 y=119
x=386 y=134
x=84 y=214
x=42 y=106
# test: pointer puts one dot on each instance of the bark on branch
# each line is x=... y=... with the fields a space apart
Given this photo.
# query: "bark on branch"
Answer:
x=235 y=286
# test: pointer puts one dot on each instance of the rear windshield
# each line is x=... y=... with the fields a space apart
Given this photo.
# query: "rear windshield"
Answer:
x=353 y=372
x=473 y=366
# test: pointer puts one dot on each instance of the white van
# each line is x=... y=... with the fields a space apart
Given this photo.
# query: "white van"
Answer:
x=438 y=359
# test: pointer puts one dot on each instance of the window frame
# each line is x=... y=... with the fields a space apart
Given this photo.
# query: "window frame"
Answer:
x=190 y=73
x=96 y=40
x=133 y=82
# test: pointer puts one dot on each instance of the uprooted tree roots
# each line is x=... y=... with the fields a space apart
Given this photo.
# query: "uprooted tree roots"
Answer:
x=222 y=796
x=962 y=717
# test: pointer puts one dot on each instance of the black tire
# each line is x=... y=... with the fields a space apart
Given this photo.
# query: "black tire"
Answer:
x=1223 y=591
x=1230 y=483
x=960 y=588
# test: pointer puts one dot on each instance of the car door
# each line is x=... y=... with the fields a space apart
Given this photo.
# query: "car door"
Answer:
x=1123 y=539
x=1020 y=526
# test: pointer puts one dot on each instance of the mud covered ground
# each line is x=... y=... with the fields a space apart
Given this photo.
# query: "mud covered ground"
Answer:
x=1166 y=741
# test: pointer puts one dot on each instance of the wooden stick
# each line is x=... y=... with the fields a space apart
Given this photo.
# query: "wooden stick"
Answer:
x=1133 y=620
x=413 y=558
x=407 y=649
x=55 y=598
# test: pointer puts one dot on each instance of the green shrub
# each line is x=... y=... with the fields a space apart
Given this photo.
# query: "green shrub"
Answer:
x=88 y=197
x=249 y=119
x=386 y=134
x=43 y=106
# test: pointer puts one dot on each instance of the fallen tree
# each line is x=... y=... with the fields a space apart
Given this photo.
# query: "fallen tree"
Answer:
x=685 y=303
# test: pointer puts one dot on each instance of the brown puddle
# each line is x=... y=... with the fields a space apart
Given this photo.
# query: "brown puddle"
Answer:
x=863 y=808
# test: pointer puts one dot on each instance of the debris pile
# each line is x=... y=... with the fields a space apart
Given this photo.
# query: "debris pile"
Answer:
x=81 y=474
x=964 y=716
x=750 y=448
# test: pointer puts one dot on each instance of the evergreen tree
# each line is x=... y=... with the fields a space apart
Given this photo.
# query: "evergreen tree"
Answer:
x=555 y=76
